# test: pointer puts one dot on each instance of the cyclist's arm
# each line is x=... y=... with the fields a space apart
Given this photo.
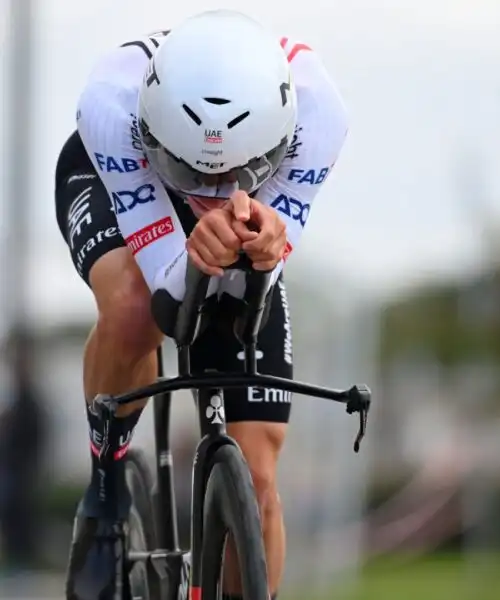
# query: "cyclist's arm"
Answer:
x=320 y=134
x=145 y=214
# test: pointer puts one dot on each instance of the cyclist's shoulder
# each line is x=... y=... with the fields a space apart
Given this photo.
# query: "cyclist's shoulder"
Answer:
x=143 y=47
x=305 y=62
x=293 y=47
x=317 y=93
x=119 y=71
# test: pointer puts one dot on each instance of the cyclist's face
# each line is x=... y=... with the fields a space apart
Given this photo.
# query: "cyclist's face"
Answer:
x=205 y=200
x=215 y=180
x=200 y=205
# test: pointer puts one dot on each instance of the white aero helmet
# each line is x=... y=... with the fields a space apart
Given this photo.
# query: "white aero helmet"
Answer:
x=217 y=107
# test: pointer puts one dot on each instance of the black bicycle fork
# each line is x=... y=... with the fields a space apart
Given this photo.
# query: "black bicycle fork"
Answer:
x=179 y=571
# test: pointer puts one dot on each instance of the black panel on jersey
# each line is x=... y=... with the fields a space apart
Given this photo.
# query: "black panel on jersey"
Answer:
x=83 y=208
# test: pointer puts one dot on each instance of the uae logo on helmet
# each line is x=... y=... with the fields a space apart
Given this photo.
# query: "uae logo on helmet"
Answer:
x=213 y=136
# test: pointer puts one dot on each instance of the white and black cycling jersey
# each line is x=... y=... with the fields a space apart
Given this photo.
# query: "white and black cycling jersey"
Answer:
x=107 y=123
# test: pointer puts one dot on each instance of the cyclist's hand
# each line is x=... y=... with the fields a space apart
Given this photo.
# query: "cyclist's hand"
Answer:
x=213 y=243
x=268 y=247
x=240 y=206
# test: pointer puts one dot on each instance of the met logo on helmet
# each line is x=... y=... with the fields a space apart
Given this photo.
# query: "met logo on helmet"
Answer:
x=120 y=165
x=210 y=165
x=310 y=176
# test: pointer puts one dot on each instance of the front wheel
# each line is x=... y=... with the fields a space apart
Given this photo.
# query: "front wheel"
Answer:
x=230 y=507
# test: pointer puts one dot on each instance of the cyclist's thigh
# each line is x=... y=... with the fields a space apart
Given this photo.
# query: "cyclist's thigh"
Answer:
x=83 y=209
x=214 y=350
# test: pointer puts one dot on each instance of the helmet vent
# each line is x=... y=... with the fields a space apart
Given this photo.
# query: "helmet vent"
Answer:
x=218 y=101
x=238 y=119
x=191 y=114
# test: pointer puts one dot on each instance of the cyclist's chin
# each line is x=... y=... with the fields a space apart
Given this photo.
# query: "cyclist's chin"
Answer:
x=200 y=205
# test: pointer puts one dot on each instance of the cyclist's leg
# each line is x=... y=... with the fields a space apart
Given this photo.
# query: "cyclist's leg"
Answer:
x=257 y=419
x=120 y=351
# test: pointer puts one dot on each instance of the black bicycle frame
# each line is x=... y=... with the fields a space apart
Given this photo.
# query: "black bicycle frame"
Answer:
x=168 y=561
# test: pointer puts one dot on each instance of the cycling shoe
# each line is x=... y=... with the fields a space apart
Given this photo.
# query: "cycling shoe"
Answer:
x=96 y=569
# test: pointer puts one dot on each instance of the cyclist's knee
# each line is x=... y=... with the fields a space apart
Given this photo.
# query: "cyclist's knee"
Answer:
x=123 y=301
x=261 y=444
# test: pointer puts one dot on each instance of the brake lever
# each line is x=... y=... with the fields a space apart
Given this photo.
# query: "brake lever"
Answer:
x=359 y=400
x=104 y=406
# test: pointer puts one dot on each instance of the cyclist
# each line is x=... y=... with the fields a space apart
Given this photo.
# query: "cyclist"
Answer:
x=201 y=143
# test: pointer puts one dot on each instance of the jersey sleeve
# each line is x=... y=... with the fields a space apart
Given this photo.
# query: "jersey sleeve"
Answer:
x=319 y=136
x=145 y=214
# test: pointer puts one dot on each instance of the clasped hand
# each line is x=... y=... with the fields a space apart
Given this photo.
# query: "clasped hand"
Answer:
x=242 y=224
